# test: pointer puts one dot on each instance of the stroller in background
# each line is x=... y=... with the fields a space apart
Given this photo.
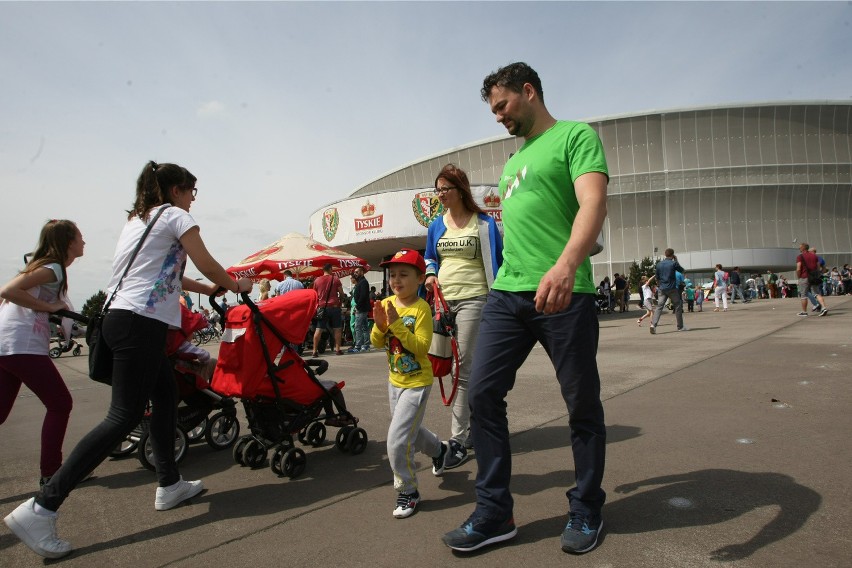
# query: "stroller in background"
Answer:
x=279 y=390
x=196 y=401
x=603 y=302
x=63 y=333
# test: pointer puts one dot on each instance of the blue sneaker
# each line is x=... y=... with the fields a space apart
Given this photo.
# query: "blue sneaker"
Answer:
x=477 y=532
x=581 y=533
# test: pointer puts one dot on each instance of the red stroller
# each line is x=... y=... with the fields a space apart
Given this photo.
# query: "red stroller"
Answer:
x=279 y=390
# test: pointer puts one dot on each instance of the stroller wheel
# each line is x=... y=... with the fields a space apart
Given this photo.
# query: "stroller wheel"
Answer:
x=54 y=352
x=293 y=462
x=356 y=441
x=77 y=350
x=340 y=441
x=254 y=454
x=275 y=462
x=316 y=434
x=146 y=452
x=238 y=449
x=127 y=447
x=196 y=433
x=222 y=431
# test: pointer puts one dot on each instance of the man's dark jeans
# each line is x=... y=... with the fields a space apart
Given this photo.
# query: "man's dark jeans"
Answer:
x=141 y=372
x=508 y=331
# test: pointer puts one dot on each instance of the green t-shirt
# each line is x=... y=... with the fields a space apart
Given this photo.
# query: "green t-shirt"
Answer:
x=539 y=204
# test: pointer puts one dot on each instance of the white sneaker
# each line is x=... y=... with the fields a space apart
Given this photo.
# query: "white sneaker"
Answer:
x=37 y=531
x=684 y=328
x=170 y=497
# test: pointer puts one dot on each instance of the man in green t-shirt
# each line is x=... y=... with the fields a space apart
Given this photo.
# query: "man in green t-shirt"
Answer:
x=554 y=205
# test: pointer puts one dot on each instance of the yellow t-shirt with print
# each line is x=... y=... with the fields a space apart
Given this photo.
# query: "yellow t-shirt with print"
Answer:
x=462 y=273
x=407 y=341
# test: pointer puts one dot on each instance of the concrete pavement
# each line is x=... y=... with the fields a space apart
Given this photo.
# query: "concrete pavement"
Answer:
x=728 y=446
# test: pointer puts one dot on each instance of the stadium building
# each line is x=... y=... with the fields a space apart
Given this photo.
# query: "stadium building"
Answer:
x=735 y=185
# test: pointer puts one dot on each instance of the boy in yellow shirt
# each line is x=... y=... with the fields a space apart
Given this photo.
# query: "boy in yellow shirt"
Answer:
x=403 y=325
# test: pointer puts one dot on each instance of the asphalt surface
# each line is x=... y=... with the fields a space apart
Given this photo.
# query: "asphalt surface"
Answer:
x=728 y=445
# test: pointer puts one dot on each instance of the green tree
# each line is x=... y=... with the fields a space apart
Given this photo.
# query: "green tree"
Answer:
x=645 y=267
x=94 y=305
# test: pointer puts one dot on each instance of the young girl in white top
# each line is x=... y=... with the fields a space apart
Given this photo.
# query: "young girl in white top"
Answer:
x=25 y=304
x=648 y=292
x=144 y=306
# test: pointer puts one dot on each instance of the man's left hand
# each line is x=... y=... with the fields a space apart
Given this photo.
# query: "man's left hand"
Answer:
x=555 y=289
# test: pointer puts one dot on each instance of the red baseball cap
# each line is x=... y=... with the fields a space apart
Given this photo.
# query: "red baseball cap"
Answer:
x=407 y=256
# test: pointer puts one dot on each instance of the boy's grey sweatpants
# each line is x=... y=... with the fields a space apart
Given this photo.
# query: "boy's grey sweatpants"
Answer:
x=407 y=435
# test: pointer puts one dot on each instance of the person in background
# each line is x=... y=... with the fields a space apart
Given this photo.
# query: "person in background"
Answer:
x=142 y=310
x=689 y=294
x=360 y=309
x=25 y=303
x=464 y=250
x=330 y=296
x=263 y=287
x=667 y=290
x=720 y=288
x=648 y=292
x=807 y=262
x=289 y=283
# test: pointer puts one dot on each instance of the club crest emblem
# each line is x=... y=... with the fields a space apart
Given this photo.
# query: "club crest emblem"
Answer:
x=426 y=207
x=330 y=223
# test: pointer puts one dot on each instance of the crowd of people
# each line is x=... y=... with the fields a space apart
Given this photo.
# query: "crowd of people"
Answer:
x=670 y=287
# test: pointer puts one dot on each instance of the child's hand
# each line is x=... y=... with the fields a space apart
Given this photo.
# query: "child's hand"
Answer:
x=392 y=314
x=380 y=316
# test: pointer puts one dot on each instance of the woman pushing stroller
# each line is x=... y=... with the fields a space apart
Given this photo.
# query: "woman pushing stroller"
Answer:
x=143 y=304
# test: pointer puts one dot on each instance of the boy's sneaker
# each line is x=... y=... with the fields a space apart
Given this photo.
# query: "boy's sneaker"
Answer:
x=170 y=497
x=37 y=531
x=477 y=532
x=438 y=463
x=581 y=533
x=406 y=504
x=456 y=455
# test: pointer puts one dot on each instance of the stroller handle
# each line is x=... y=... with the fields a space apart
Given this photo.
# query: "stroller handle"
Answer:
x=217 y=307
x=70 y=315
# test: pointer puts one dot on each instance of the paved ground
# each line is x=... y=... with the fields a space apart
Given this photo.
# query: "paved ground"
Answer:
x=728 y=446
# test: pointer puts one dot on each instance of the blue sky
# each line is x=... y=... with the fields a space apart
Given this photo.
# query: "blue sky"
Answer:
x=280 y=108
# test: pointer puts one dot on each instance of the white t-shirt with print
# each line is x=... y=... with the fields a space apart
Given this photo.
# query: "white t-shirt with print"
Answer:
x=24 y=331
x=152 y=287
x=647 y=293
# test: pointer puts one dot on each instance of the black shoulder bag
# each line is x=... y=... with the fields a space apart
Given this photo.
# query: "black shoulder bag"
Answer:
x=100 y=355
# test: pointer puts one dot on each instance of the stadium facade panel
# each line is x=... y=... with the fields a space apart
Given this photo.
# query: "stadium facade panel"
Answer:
x=738 y=185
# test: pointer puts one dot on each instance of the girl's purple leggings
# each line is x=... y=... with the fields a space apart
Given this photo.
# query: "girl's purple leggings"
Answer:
x=40 y=375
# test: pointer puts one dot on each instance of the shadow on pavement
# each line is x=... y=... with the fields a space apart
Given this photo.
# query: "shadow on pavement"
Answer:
x=713 y=496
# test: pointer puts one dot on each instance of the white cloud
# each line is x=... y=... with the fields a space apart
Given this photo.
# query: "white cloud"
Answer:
x=211 y=109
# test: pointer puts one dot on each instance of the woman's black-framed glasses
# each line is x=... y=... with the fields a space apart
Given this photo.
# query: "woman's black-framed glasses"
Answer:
x=194 y=190
x=445 y=189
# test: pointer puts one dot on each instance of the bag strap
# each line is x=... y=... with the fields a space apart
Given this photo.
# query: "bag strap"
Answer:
x=328 y=294
x=133 y=257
